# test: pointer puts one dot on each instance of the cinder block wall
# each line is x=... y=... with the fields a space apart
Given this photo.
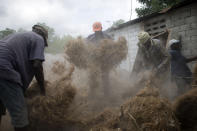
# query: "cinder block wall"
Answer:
x=181 y=21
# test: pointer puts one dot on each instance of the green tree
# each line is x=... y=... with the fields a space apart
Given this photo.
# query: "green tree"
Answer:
x=6 y=32
x=151 y=6
x=117 y=23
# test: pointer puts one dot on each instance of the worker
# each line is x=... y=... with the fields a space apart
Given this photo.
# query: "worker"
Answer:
x=98 y=34
x=180 y=72
x=151 y=56
x=21 y=57
x=95 y=39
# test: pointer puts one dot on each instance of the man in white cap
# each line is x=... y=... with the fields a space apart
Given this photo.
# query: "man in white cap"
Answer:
x=180 y=72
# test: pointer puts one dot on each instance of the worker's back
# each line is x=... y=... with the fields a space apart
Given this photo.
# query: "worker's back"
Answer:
x=16 y=52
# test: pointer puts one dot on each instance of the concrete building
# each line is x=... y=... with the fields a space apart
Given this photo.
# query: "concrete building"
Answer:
x=181 y=19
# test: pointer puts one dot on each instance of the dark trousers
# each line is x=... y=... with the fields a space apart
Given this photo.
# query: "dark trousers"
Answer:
x=95 y=83
x=11 y=96
x=183 y=84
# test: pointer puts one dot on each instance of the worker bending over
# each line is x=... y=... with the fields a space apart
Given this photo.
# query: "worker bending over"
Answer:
x=152 y=56
x=21 y=57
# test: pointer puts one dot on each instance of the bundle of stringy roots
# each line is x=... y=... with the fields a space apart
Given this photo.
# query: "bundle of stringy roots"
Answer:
x=147 y=111
x=106 y=54
x=50 y=111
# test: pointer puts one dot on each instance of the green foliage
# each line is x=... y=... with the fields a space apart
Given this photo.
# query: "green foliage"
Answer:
x=117 y=23
x=151 y=6
x=6 y=32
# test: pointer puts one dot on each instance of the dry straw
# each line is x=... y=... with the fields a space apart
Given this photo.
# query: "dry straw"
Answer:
x=146 y=112
x=50 y=110
x=106 y=55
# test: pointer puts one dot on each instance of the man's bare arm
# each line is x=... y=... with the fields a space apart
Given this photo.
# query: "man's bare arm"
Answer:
x=191 y=59
x=39 y=75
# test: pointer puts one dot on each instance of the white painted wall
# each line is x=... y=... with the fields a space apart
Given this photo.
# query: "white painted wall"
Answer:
x=130 y=33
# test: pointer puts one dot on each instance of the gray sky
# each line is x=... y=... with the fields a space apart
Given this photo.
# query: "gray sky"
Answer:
x=74 y=17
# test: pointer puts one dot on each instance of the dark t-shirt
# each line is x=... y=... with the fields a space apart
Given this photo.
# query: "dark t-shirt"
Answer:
x=97 y=37
x=16 y=54
x=179 y=66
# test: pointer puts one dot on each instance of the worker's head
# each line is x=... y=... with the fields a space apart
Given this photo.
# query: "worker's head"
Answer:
x=97 y=26
x=143 y=38
x=42 y=32
x=174 y=44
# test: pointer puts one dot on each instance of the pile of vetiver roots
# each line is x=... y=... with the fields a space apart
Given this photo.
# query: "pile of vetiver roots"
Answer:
x=107 y=54
x=147 y=111
x=50 y=112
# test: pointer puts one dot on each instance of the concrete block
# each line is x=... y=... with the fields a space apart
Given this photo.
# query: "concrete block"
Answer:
x=194 y=38
x=192 y=19
x=194 y=26
x=185 y=52
x=187 y=13
x=191 y=32
x=192 y=45
x=185 y=27
x=194 y=10
x=175 y=29
x=182 y=33
x=179 y=22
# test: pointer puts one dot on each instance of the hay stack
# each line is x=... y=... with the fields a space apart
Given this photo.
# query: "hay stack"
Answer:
x=106 y=55
x=58 y=68
x=146 y=112
x=109 y=54
x=103 y=118
x=50 y=111
x=185 y=108
x=76 y=50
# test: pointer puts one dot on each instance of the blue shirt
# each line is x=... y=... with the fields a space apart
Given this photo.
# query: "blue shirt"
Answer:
x=179 y=66
x=16 y=54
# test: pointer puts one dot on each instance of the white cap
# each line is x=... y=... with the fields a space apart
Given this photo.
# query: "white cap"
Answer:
x=173 y=41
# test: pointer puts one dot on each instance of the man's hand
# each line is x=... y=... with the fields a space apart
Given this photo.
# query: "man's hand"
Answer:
x=38 y=70
x=42 y=91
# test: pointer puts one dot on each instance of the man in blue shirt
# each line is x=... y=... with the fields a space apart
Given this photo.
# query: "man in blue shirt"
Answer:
x=180 y=72
x=21 y=57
